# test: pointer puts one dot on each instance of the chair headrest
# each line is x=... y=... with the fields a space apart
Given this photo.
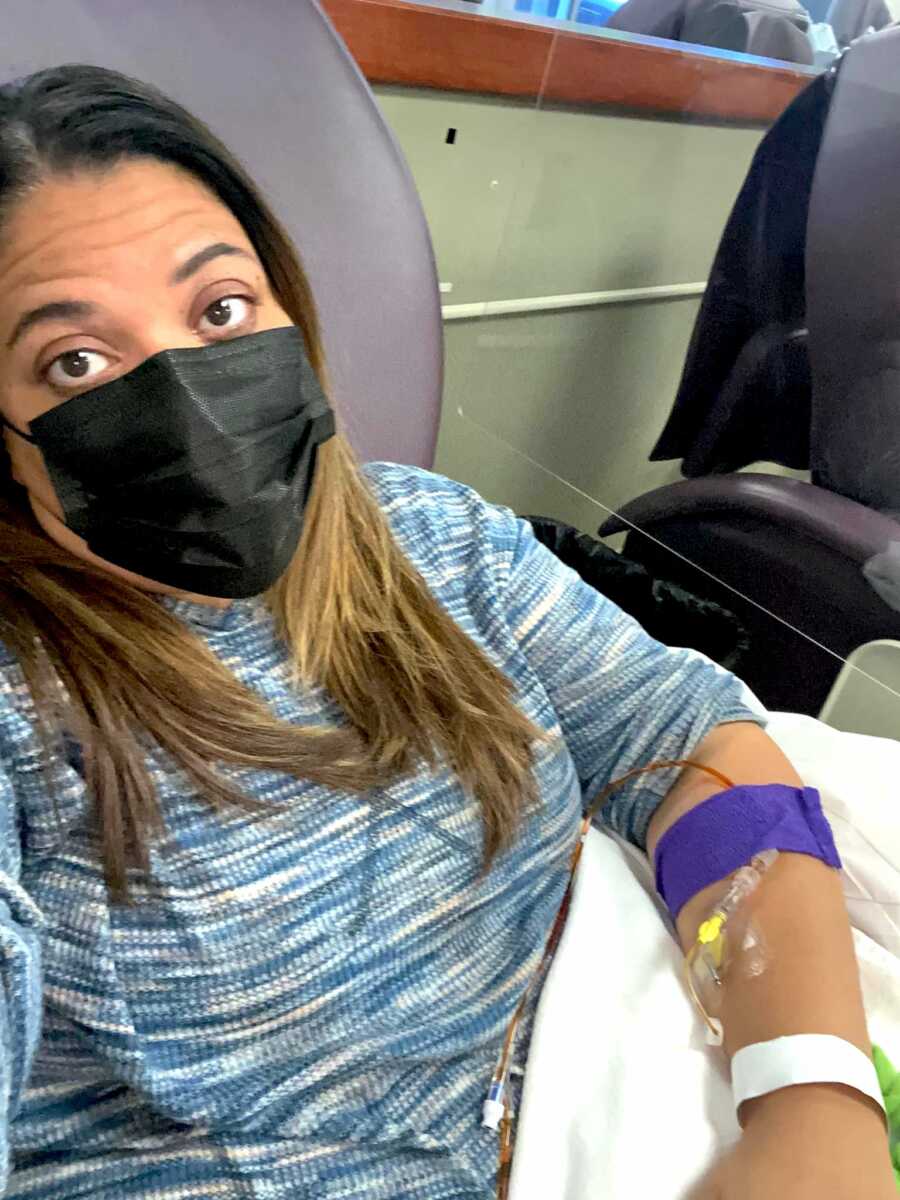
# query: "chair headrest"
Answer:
x=278 y=86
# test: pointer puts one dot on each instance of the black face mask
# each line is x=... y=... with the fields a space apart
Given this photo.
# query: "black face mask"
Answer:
x=195 y=468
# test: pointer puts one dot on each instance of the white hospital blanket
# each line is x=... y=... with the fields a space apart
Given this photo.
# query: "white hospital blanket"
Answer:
x=622 y=1096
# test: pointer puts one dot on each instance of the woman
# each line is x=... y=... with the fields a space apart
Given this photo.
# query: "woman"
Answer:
x=294 y=755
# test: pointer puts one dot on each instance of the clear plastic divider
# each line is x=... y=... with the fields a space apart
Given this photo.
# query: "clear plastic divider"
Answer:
x=562 y=370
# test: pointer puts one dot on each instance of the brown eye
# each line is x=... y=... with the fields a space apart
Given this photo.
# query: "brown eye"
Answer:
x=229 y=314
x=75 y=367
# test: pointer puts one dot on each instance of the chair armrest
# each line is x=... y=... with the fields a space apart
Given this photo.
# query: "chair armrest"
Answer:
x=843 y=525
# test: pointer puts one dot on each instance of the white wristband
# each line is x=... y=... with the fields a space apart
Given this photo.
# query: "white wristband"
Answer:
x=804 y=1058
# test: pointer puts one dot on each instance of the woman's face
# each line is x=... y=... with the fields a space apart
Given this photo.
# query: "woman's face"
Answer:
x=99 y=272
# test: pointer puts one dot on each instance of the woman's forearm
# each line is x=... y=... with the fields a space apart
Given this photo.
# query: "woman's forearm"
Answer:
x=810 y=982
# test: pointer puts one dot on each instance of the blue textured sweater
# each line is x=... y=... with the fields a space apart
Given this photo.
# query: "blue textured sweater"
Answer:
x=309 y=1005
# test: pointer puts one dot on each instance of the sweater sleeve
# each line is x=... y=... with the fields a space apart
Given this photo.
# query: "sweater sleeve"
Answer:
x=622 y=699
x=20 y=972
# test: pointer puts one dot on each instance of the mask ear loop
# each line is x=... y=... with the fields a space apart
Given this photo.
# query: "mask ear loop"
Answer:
x=496 y=1113
x=18 y=432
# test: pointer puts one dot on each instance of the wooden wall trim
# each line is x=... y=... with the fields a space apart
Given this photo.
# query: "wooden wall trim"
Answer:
x=415 y=46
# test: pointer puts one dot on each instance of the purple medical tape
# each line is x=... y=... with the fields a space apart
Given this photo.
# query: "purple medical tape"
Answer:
x=715 y=839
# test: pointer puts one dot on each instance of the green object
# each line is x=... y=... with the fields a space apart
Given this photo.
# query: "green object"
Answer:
x=889 y=1082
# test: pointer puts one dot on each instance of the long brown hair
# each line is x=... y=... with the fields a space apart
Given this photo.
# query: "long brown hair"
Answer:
x=110 y=666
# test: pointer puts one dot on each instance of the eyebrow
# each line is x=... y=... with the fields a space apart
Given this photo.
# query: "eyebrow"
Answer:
x=58 y=310
x=202 y=257
x=64 y=310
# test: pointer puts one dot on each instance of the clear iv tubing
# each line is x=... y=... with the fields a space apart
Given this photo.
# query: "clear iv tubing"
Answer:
x=706 y=960
x=495 y=1113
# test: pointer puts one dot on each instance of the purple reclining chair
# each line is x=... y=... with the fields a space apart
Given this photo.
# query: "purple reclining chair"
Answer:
x=851 y=19
x=799 y=550
x=277 y=85
x=769 y=28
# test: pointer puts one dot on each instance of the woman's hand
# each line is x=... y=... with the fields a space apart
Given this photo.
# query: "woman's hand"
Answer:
x=817 y=1142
